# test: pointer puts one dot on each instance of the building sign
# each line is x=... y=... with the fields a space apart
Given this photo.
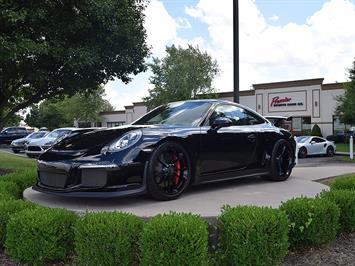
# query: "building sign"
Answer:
x=287 y=101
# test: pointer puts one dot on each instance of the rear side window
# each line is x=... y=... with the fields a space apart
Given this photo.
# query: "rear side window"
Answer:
x=238 y=115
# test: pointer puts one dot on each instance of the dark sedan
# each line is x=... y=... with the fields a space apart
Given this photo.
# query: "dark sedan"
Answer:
x=166 y=150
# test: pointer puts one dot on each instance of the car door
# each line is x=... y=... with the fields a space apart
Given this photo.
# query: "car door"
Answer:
x=318 y=145
x=228 y=149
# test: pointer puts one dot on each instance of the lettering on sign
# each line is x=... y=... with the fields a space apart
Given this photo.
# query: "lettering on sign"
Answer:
x=292 y=101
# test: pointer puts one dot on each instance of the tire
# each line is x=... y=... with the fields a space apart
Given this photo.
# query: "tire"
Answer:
x=302 y=153
x=330 y=151
x=282 y=161
x=16 y=151
x=169 y=171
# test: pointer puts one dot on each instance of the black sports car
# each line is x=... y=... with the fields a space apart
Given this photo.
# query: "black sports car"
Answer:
x=166 y=150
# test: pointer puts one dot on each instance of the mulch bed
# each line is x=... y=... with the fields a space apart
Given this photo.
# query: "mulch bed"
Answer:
x=340 y=252
x=5 y=171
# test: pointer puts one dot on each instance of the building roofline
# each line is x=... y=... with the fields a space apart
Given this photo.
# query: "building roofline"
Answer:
x=288 y=84
x=334 y=86
x=139 y=104
x=113 y=112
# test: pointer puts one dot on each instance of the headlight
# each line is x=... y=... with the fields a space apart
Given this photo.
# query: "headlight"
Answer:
x=126 y=141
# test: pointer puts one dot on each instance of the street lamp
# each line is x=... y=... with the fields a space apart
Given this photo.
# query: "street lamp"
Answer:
x=235 y=51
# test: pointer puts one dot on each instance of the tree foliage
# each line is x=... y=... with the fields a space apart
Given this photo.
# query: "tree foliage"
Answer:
x=182 y=74
x=51 y=48
x=346 y=102
x=61 y=113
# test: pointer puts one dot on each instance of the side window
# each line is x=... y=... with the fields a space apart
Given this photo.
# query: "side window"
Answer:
x=238 y=115
x=11 y=130
x=319 y=140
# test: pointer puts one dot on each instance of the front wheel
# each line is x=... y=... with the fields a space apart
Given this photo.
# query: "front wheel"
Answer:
x=169 y=171
x=330 y=151
x=282 y=161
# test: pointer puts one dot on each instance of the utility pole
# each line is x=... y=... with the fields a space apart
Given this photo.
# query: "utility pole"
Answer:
x=235 y=51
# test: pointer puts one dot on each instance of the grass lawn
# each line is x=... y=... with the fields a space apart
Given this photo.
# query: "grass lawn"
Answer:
x=344 y=147
x=330 y=180
x=14 y=162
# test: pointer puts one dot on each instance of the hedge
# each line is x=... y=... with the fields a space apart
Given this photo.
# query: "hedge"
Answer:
x=9 y=190
x=23 y=179
x=7 y=209
x=174 y=239
x=312 y=221
x=107 y=238
x=252 y=236
x=344 y=183
x=345 y=200
x=39 y=235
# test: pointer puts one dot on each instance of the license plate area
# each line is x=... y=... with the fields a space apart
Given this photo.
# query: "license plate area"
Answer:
x=57 y=180
x=93 y=178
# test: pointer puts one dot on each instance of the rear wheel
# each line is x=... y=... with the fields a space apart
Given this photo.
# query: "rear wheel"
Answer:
x=330 y=151
x=302 y=153
x=282 y=161
x=169 y=171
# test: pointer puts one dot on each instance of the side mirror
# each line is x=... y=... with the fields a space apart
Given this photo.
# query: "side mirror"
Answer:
x=313 y=142
x=220 y=122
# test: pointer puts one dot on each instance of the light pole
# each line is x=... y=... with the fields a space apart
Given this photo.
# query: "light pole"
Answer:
x=235 y=51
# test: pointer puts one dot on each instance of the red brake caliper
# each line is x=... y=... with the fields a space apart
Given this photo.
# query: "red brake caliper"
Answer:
x=177 y=169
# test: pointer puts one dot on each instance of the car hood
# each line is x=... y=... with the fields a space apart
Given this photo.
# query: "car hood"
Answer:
x=20 y=141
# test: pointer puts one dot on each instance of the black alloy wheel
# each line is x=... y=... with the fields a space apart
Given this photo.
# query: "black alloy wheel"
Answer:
x=302 y=153
x=282 y=161
x=169 y=171
x=330 y=151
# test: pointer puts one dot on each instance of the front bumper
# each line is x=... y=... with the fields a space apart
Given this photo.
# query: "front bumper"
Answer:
x=94 y=179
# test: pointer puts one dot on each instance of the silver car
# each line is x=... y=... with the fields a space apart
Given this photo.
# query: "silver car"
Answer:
x=19 y=144
x=312 y=145
x=36 y=147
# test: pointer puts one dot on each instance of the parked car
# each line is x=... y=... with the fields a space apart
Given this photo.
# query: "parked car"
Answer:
x=311 y=145
x=166 y=150
x=11 y=133
x=36 y=147
x=19 y=144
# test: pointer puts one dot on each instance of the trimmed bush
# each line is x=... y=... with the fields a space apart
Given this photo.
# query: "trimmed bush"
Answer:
x=174 y=239
x=39 y=235
x=107 y=238
x=23 y=179
x=316 y=131
x=345 y=200
x=7 y=209
x=252 y=236
x=9 y=190
x=312 y=221
x=344 y=183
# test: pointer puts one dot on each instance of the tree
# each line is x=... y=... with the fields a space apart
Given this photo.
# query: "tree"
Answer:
x=346 y=103
x=54 y=48
x=61 y=113
x=316 y=131
x=182 y=74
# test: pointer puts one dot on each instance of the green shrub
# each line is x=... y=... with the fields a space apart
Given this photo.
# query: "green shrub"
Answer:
x=107 y=238
x=252 y=236
x=9 y=190
x=7 y=209
x=312 y=221
x=38 y=235
x=174 y=239
x=316 y=131
x=345 y=200
x=344 y=183
x=23 y=179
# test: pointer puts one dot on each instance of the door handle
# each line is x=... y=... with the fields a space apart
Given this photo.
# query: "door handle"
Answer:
x=251 y=137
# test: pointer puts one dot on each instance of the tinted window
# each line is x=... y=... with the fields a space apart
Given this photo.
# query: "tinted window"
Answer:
x=181 y=113
x=36 y=135
x=58 y=133
x=11 y=130
x=302 y=139
x=318 y=140
x=238 y=115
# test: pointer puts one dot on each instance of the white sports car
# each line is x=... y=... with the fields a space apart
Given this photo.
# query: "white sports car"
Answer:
x=310 y=145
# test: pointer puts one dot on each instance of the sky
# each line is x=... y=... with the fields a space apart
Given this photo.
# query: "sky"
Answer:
x=279 y=40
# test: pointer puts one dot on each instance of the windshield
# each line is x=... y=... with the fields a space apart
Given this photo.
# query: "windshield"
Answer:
x=37 y=135
x=58 y=133
x=302 y=139
x=180 y=113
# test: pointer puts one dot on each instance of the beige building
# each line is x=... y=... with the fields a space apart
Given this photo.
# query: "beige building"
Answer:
x=308 y=102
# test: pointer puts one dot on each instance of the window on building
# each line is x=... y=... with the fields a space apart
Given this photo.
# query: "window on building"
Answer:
x=301 y=125
x=115 y=124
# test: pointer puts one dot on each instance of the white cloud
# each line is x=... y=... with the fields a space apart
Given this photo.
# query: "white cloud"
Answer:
x=324 y=46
